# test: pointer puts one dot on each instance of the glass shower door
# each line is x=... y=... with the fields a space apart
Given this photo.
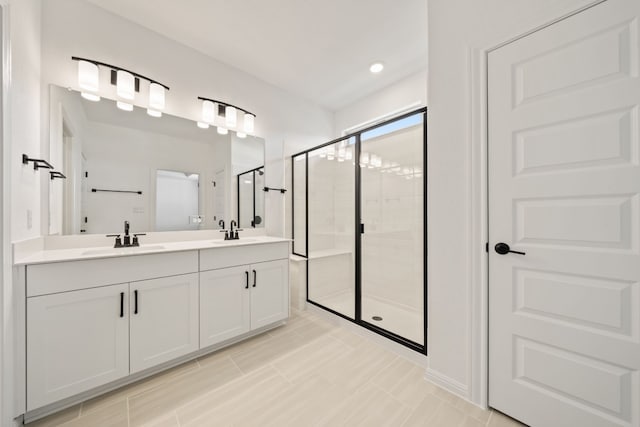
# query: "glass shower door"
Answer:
x=392 y=217
x=331 y=227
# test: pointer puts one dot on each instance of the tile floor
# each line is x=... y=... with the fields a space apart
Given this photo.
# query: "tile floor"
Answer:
x=310 y=372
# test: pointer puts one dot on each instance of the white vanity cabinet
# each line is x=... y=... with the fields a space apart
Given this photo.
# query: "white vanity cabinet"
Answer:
x=239 y=299
x=163 y=319
x=81 y=328
x=93 y=322
x=76 y=341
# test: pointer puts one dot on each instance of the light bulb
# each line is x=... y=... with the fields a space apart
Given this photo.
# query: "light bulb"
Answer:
x=249 y=122
x=124 y=106
x=88 y=76
x=154 y=113
x=231 y=116
x=222 y=131
x=125 y=86
x=376 y=67
x=208 y=111
x=90 y=96
x=241 y=134
x=203 y=125
x=156 y=96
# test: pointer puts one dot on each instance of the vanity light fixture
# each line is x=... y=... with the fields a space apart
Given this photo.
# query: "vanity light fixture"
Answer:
x=249 y=122
x=156 y=100
x=208 y=112
x=88 y=80
x=127 y=84
x=229 y=114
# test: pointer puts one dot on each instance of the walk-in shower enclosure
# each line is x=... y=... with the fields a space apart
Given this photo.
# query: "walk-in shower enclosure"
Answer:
x=359 y=206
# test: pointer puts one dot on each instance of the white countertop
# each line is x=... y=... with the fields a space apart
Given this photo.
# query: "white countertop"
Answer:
x=83 y=253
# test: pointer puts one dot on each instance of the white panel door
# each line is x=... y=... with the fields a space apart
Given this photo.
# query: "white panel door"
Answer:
x=564 y=187
x=224 y=304
x=269 y=292
x=75 y=341
x=164 y=319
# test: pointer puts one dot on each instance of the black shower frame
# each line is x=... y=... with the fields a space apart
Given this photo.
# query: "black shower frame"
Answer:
x=358 y=235
x=252 y=171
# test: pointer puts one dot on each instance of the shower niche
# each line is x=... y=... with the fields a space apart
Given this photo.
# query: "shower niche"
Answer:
x=359 y=220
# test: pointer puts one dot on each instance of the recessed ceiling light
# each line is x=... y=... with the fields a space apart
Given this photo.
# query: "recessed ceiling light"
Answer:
x=376 y=67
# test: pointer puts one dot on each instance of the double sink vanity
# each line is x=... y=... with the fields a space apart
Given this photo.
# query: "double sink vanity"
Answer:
x=99 y=317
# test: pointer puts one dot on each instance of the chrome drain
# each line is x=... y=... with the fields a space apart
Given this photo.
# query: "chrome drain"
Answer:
x=377 y=318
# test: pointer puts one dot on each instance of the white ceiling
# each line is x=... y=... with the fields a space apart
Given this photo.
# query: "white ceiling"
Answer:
x=320 y=50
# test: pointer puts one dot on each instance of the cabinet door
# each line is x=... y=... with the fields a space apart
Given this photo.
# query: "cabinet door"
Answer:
x=164 y=319
x=76 y=341
x=269 y=292
x=224 y=304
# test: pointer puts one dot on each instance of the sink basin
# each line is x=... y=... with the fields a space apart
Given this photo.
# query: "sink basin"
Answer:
x=129 y=250
x=231 y=242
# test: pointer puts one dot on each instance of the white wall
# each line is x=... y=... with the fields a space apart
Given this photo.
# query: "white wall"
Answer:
x=409 y=93
x=73 y=27
x=25 y=114
x=458 y=32
x=21 y=131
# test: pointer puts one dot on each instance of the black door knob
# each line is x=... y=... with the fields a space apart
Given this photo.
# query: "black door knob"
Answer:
x=503 y=249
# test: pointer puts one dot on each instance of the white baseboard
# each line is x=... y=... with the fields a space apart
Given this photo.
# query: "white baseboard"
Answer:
x=447 y=383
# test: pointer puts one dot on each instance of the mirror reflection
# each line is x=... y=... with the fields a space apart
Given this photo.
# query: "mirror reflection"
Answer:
x=160 y=174
x=251 y=198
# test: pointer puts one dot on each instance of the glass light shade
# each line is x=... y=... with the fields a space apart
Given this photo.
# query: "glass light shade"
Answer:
x=241 y=134
x=154 y=113
x=323 y=153
x=203 y=125
x=125 y=86
x=88 y=76
x=90 y=96
x=249 y=122
x=208 y=111
x=156 y=97
x=231 y=116
x=124 y=106
x=222 y=131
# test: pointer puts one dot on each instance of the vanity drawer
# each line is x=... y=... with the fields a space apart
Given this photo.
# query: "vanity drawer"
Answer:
x=211 y=259
x=50 y=278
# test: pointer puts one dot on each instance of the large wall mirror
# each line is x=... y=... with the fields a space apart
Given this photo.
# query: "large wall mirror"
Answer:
x=160 y=174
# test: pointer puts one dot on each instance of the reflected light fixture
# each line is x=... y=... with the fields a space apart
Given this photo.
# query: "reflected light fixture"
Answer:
x=241 y=134
x=127 y=84
x=203 y=125
x=222 y=131
x=376 y=67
